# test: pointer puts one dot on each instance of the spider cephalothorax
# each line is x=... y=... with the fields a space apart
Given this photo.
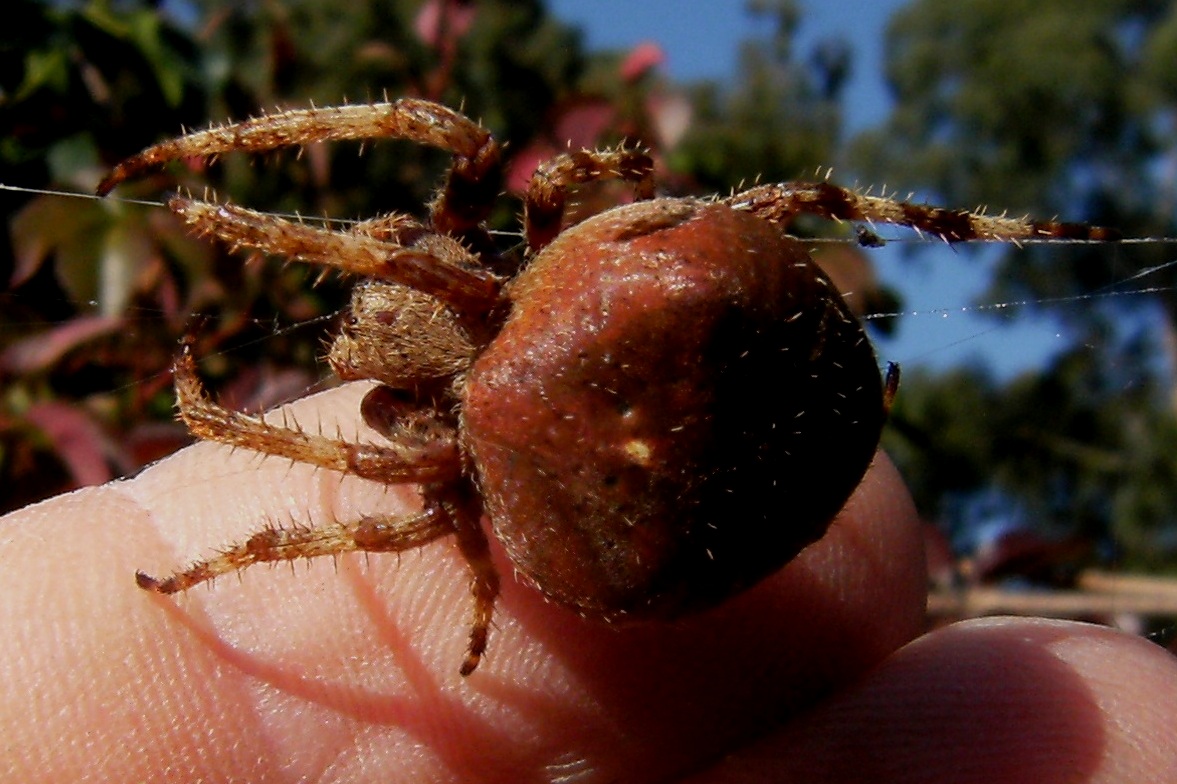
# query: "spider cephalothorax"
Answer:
x=654 y=408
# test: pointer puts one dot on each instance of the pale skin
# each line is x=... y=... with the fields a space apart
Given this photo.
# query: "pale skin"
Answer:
x=350 y=673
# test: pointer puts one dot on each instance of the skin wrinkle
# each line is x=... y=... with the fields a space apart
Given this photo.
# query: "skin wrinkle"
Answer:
x=882 y=560
x=1118 y=699
x=198 y=614
x=222 y=631
x=1001 y=699
x=229 y=639
x=466 y=745
x=130 y=716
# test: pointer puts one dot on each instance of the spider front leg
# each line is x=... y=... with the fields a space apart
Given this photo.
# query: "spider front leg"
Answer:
x=783 y=201
x=547 y=193
x=271 y=544
x=433 y=263
x=465 y=200
x=423 y=450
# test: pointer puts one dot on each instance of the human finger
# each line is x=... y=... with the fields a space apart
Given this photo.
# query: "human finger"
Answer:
x=353 y=675
x=1002 y=699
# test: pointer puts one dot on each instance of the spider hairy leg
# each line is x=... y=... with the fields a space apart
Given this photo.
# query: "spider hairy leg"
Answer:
x=782 y=201
x=370 y=534
x=407 y=118
x=394 y=227
x=417 y=455
x=427 y=460
x=428 y=262
x=464 y=509
x=462 y=203
x=547 y=193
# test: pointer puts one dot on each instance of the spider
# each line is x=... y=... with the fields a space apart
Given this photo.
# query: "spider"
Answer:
x=654 y=408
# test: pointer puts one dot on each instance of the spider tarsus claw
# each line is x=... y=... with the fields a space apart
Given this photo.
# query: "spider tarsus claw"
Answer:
x=475 y=650
x=109 y=182
x=148 y=583
x=470 y=664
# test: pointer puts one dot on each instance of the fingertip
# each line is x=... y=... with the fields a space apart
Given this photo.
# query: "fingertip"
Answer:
x=90 y=664
x=1004 y=699
x=658 y=698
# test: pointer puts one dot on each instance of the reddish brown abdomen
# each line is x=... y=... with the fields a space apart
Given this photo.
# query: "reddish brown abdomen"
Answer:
x=678 y=403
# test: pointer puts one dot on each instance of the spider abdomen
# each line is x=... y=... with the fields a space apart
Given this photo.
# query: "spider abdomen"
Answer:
x=677 y=404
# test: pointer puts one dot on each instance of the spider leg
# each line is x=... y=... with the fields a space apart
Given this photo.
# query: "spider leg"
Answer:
x=547 y=193
x=394 y=227
x=412 y=256
x=435 y=457
x=369 y=534
x=464 y=511
x=785 y=200
x=464 y=201
x=449 y=508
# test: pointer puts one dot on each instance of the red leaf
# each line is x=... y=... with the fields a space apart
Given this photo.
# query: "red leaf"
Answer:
x=441 y=21
x=150 y=441
x=77 y=440
x=582 y=124
x=44 y=350
x=641 y=60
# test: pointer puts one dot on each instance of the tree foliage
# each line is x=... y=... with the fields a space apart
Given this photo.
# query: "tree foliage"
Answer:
x=99 y=292
x=1048 y=108
x=778 y=120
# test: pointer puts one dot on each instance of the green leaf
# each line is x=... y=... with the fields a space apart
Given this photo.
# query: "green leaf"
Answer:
x=126 y=248
x=44 y=69
x=47 y=225
x=144 y=30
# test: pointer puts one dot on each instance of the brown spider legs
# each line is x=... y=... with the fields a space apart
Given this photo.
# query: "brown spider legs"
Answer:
x=779 y=202
x=471 y=186
x=430 y=262
x=451 y=504
x=427 y=260
x=547 y=193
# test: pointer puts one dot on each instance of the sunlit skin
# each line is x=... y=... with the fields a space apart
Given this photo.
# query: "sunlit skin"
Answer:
x=346 y=672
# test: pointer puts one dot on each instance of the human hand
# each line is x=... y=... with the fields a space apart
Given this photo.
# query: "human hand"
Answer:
x=351 y=673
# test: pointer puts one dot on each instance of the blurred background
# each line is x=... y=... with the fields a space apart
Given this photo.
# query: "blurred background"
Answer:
x=1035 y=423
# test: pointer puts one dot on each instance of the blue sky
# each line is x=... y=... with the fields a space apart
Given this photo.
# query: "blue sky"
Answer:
x=701 y=41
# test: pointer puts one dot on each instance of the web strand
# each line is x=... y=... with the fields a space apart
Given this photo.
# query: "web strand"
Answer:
x=913 y=238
